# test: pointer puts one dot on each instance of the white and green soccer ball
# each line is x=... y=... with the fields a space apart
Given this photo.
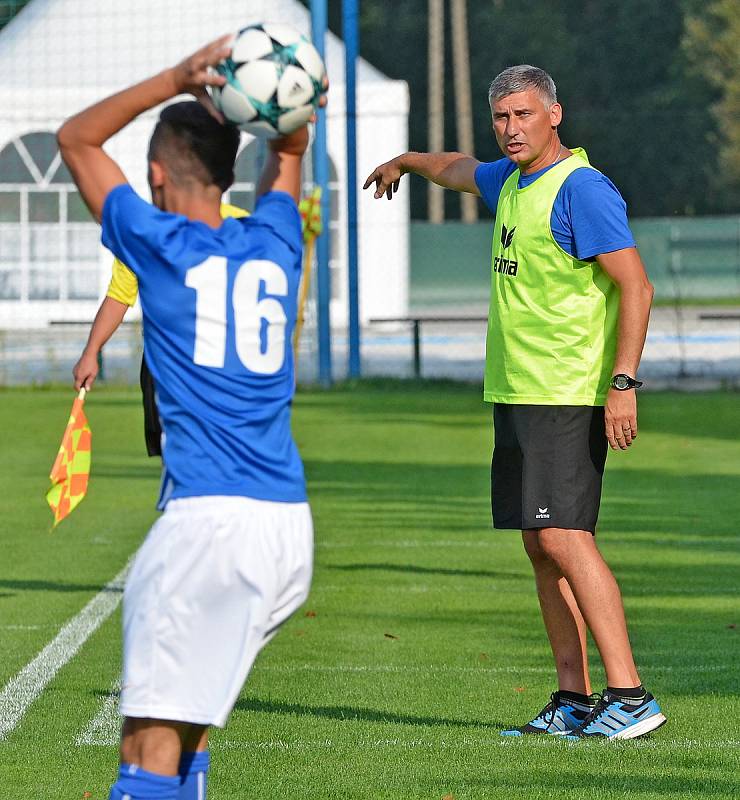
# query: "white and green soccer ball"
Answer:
x=274 y=79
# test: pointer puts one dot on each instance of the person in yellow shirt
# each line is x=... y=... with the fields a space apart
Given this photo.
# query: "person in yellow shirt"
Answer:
x=121 y=295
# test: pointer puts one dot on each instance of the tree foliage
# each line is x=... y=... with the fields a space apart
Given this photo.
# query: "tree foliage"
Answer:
x=712 y=45
x=631 y=92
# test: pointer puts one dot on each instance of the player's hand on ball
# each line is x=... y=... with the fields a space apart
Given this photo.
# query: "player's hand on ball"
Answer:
x=85 y=370
x=386 y=178
x=296 y=143
x=195 y=73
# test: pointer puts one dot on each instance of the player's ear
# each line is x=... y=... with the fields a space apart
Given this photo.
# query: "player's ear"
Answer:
x=156 y=174
x=556 y=114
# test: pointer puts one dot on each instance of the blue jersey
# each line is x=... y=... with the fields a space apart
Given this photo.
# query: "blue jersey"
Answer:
x=589 y=216
x=219 y=308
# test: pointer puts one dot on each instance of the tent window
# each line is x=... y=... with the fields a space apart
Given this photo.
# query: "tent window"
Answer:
x=48 y=240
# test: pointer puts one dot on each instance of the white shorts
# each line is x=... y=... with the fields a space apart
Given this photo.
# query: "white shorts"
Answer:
x=212 y=582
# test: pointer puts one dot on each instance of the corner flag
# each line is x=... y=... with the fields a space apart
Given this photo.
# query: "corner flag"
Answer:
x=71 y=469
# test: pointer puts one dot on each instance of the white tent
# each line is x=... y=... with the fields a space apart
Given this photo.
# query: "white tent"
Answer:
x=57 y=56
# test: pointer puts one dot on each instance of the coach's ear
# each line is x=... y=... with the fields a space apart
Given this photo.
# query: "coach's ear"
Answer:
x=556 y=115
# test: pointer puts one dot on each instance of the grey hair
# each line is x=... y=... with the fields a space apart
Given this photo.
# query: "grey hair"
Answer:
x=520 y=79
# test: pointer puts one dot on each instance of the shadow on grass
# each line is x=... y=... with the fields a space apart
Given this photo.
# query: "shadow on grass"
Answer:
x=54 y=586
x=353 y=714
x=415 y=569
x=147 y=472
x=701 y=414
x=602 y=784
x=710 y=414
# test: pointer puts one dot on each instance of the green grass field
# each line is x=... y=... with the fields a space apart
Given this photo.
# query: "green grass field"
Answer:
x=422 y=635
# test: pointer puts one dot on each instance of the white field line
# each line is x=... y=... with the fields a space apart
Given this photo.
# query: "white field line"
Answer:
x=22 y=627
x=432 y=669
x=105 y=726
x=450 y=743
x=405 y=543
x=27 y=685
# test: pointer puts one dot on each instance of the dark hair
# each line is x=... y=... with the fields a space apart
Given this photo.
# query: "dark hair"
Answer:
x=194 y=145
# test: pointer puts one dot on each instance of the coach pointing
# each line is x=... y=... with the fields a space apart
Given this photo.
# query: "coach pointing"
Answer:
x=569 y=310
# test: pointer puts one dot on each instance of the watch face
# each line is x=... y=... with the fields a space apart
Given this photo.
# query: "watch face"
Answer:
x=621 y=382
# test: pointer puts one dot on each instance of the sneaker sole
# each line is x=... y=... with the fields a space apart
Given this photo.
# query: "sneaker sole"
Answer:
x=641 y=728
x=519 y=734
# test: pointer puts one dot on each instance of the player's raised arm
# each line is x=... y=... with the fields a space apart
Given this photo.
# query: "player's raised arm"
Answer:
x=81 y=138
x=451 y=170
x=282 y=170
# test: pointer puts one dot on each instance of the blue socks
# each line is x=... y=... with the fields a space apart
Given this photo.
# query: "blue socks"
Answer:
x=193 y=769
x=135 y=783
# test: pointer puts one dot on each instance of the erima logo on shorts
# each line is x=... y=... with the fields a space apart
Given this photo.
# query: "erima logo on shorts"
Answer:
x=543 y=513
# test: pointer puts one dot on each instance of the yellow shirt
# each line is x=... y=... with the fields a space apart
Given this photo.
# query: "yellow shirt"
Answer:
x=123 y=284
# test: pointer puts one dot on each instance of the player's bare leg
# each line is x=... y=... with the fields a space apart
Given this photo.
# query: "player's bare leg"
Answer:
x=153 y=744
x=565 y=626
x=598 y=597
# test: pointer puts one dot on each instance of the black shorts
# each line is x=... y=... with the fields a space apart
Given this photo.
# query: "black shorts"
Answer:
x=548 y=463
x=152 y=425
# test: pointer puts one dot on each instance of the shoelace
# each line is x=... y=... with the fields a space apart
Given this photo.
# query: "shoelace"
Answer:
x=551 y=709
x=602 y=702
x=556 y=701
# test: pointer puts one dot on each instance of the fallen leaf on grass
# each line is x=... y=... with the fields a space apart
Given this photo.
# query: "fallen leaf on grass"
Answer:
x=310 y=614
x=390 y=636
x=449 y=797
x=483 y=657
x=85 y=795
x=520 y=688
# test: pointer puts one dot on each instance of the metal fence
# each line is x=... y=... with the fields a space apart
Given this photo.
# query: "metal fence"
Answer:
x=689 y=260
x=693 y=340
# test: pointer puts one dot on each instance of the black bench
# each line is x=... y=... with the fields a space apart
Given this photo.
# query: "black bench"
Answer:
x=416 y=323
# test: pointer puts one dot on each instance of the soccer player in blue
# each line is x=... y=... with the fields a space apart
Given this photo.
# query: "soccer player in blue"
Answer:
x=231 y=556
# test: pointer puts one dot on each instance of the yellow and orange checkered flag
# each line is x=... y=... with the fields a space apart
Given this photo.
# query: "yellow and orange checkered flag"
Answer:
x=71 y=470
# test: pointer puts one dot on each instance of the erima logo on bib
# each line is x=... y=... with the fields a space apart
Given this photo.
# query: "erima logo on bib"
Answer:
x=507 y=237
x=543 y=513
x=506 y=266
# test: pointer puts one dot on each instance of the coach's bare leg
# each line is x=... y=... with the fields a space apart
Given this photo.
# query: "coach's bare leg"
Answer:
x=156 y=745
x=599 y=599
x=564 y=623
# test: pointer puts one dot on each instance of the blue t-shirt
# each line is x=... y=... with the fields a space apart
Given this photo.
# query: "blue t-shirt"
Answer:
x=589 y=216
x=219 y=308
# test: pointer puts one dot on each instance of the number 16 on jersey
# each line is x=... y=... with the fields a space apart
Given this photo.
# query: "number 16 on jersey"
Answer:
x=210 y=281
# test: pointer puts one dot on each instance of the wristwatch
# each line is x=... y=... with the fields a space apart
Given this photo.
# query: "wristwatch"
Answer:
x=622 y=382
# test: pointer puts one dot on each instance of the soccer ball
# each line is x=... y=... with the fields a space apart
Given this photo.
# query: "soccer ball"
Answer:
x=274 y=79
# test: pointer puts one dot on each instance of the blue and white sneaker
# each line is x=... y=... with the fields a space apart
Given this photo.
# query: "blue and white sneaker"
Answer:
x=616 y=718
x=559 y=717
